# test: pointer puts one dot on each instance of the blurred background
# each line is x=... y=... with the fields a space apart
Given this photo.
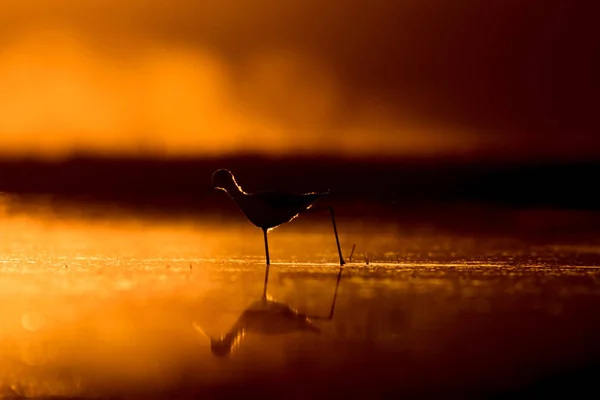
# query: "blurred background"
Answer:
x=460 y=112
x=460 y=142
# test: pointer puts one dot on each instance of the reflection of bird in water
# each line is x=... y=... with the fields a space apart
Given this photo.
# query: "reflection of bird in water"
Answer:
x=267 y=317
x=270 y=209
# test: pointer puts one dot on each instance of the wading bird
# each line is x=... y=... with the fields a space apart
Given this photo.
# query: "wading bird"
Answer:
x=272 y=208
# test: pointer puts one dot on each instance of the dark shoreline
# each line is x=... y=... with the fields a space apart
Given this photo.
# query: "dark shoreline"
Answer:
x=552 y=202
x=512 y=185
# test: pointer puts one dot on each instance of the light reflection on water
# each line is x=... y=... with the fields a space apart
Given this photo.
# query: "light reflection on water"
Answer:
x=112 y=309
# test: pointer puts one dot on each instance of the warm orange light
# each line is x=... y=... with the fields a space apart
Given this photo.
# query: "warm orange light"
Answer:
x=62 y=92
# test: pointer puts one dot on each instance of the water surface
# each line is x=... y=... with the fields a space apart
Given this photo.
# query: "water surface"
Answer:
x=126 y=309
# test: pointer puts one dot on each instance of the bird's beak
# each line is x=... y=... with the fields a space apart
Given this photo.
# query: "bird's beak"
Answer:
x=200 y=330
x=210 y=190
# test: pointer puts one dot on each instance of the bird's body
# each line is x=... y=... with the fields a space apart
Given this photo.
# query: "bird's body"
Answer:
x=267 y=209
x=270 y=317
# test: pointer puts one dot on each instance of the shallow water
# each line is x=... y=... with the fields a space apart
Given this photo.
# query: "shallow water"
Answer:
x=126 y=308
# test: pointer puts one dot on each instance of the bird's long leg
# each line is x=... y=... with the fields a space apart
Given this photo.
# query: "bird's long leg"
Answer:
x=268 y=262
x=337 y=239
x=337 y=284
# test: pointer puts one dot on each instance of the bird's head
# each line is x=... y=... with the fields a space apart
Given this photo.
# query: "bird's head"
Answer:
x=220 y=347
x=222 y=179
x=223 y=345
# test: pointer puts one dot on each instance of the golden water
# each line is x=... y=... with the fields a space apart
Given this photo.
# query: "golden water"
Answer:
x=111 y=308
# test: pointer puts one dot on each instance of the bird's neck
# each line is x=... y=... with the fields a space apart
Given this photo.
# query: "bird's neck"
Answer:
x=235 y=192
x=233 y=338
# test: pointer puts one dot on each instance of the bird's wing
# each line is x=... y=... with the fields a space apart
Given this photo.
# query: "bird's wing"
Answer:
x=278 y=199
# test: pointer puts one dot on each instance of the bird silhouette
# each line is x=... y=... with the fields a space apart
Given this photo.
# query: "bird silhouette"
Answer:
x=269 y=209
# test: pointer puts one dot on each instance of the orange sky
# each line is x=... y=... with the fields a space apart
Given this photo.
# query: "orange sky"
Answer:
x=188 y=78
x=60 y=94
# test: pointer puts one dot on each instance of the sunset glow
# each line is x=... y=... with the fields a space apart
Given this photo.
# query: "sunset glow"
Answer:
x=60 y=95
x=116 y=78
x=206 y=78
